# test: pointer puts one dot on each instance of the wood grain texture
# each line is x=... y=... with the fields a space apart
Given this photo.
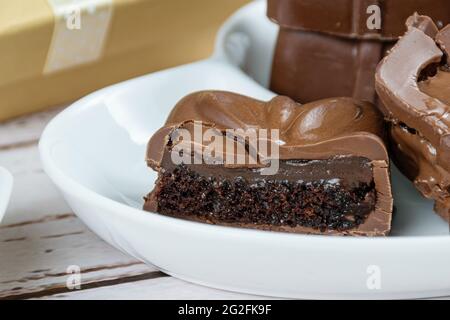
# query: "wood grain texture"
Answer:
x=36 y=256
x=33 y=195
x=25 y=130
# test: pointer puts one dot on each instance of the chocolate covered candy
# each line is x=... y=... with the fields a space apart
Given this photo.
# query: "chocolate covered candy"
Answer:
x=413 y=82
x=331 y=48
x=324 y=171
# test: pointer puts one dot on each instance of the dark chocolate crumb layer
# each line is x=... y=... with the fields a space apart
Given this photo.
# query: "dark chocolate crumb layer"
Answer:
x=324 y=204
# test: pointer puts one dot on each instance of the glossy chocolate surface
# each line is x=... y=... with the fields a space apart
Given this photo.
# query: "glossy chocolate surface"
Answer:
x=327 y=48
x=348 y=18
x=309 y=66
x=317 y=130
x=413 y=82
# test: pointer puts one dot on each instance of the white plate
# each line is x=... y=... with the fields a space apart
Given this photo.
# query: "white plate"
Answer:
x=6 y=184
x=94 y=152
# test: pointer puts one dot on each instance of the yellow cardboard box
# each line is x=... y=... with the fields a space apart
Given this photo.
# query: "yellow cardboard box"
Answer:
x=55 y=51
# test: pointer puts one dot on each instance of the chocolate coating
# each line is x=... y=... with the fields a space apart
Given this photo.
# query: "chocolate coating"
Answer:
x=413 y=82
x=309 y=66
x=348 y=18
x=317 y=130
x=322 y=130
x=326 y=49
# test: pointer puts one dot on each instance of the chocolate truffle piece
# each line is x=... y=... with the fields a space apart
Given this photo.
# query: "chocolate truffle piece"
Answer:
x=331 y=48
x=350 y=18
x=331 y=174
x=413 y=82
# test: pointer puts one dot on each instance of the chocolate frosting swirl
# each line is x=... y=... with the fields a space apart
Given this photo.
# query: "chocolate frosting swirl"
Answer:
x=317 y=130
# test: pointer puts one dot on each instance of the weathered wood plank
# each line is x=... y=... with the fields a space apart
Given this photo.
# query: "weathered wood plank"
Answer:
x=34 y=195
x=25 y=130
x=50 y=292
x=35 y=256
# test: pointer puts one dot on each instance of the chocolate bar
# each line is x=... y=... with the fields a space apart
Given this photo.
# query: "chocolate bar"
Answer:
x=413 y=82
x=331 y=166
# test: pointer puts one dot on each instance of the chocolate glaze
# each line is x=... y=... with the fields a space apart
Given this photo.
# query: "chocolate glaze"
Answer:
x=348 y=18
x=317 y=130
x=322 y=130
x=413 y=82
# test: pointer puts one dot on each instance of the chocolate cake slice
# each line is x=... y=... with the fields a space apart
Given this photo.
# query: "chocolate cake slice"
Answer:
x=413 y=82
x=317 y=168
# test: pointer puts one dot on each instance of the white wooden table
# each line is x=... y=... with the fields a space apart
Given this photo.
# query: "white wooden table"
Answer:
x=40 y=238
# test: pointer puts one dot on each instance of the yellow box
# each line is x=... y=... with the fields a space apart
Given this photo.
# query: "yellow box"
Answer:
x=122 y=39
